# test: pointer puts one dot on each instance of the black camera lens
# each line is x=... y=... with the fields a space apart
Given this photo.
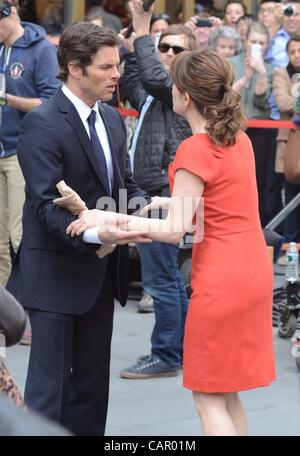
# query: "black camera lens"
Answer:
x=288 y=10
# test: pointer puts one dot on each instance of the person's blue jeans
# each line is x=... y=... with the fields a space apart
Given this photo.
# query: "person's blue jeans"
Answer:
x=163 y=281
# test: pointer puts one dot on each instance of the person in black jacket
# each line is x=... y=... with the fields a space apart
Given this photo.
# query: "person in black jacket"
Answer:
x=148 y=87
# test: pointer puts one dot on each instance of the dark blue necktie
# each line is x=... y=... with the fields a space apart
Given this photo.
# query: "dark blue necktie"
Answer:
x=98 y=151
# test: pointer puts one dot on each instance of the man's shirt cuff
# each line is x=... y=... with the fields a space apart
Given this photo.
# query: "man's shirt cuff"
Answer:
x=90 y=236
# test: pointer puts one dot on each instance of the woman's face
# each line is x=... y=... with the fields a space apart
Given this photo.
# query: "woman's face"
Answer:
x=159 y=26
x=233 y=12
x=294 y=54
x=225 y=47
x=257 y=38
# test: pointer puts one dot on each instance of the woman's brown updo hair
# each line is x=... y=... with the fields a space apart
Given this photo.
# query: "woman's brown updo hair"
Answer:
x=208 y=79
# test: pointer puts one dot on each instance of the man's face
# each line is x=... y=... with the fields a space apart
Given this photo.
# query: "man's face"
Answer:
x=291 y=24
x=7 y=25
x=266 y=14
x=172 y=40
x=294 y=54
x=101 y=77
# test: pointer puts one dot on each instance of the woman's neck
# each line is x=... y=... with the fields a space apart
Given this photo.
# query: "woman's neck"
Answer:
x=197 y=122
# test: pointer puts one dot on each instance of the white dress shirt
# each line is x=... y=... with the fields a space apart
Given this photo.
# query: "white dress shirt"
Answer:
x=84 y=111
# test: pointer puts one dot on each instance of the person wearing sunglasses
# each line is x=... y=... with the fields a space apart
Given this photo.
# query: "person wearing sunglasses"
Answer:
x=147 y=85
x=28 y=68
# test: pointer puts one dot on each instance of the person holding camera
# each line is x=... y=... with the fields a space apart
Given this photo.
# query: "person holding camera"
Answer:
x=202 y=26
x=254 y=83
x=290 y=15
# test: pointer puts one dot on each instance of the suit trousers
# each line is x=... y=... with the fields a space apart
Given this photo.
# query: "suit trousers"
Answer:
x=68 y=373
x=12 y=197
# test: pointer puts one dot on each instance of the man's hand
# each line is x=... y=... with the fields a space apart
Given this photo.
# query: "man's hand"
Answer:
x=109 y=227
x=127 y=42
x=140 y=18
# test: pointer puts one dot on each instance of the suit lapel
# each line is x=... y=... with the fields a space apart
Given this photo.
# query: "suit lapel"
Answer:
x=72 y=117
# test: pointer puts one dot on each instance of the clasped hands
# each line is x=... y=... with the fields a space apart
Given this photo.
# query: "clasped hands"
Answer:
x=113 y=229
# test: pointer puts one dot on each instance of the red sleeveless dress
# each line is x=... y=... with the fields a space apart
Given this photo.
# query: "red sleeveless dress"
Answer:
x=228 y=343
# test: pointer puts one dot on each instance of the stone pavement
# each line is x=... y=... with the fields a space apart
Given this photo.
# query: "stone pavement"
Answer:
x=162 y=407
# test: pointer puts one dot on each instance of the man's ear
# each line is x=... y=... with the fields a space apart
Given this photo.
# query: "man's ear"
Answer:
x=75 y=70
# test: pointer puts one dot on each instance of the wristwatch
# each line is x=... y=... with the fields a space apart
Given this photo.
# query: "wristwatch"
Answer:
x=3 y=100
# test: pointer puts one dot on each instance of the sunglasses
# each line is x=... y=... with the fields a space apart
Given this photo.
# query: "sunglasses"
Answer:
x=164 y=48
x=165 y=17
x=5 y=11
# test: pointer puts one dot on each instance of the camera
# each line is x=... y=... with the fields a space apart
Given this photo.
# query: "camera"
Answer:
x=289 y=10
x=203 y=23
x=5 y=10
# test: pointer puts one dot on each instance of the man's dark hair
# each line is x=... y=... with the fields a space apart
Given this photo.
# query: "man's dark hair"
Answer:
x=292 y=39
x=80 y=42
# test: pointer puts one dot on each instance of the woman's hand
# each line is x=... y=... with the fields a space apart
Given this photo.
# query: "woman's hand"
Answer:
x=70 y=200
x=157 y=202
x=71 y=203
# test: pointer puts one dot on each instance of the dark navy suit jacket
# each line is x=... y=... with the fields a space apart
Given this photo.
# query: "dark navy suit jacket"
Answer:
x=52 y=271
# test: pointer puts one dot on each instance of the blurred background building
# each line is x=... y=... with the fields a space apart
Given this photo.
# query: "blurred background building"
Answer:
x=68 y=11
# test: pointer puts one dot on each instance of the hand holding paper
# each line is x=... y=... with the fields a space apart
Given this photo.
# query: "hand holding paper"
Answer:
x=72 y=202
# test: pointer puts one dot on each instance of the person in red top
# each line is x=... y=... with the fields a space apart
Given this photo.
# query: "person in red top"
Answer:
x=228 y=344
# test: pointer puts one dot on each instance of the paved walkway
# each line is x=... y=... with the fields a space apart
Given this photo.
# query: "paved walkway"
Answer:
x=162 y=407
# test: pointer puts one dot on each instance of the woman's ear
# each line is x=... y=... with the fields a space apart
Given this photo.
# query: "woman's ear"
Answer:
x=187 y=100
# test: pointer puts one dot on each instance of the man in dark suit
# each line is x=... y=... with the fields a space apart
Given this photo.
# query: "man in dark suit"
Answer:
x=68 y=290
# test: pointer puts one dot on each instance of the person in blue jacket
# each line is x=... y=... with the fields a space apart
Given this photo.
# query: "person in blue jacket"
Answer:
x=28 y=70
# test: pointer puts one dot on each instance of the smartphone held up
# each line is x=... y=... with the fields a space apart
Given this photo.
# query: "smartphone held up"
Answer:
x=256 y=52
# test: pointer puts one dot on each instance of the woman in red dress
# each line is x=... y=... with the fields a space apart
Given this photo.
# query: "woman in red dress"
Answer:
x=228 y=343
